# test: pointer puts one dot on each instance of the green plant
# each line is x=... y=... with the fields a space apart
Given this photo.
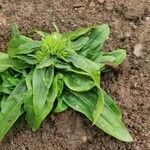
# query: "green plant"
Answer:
x=59 y=71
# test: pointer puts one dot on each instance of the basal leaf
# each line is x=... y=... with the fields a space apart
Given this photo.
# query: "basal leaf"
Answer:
x=2 y=101
x=113 y=58
x=11 y=109
x=28 y=47
x=18 y=64
x=29 y=59
x=112 y=105
x=5 y=90
x=61 y=106
x=76 y=34
x=97 y=37
x=99 y=104
x=80 y=43
x=42 y=79
x=86 y=65
x=66 y=67
x=107 y=121
x=35 y=120
x=5 y=62
x=77 y=82
x=14 y=43
x=20 y=44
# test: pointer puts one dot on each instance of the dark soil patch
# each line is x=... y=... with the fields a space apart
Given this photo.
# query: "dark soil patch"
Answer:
x=129 y=85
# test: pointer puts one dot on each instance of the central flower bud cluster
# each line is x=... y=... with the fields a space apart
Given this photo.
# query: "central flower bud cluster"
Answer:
x=54 y=44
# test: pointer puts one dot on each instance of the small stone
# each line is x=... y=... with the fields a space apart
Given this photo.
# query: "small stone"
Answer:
x=101 y=1
x=23 y=148
x=12 y=142
x=92 y=4
x=147 y=18
x=84 y=138
x=133 y=25
x=127 y=34
x=138 y=50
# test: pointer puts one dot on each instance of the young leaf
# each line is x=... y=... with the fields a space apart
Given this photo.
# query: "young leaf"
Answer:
x=11 y=108
x=107 y=121
x=42 y=79
x=77 y=82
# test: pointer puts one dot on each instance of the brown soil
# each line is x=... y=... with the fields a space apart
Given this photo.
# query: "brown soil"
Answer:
x=129 y=85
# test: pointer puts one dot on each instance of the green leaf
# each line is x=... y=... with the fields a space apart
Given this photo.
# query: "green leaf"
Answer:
x=72 y=35
x=111 y=104
x=107 y=121
x=77 y=82
x=35 y=120
x=113 y=58
x=11 y=109
x=86 y=65
x=8 y=83
x=42 y=79
x=14 y=43
x=60 y=84
x=97 y=37
x=4 y=98
x=18 y=64
x=5 y=90
x=99 y=104
x=14 y=31
x=28 y=47
x=5 y=62
x=22 y=45
x=66 y=67
x=29 y=59
x=61 y=106
x=80 y=43
x=47 y=61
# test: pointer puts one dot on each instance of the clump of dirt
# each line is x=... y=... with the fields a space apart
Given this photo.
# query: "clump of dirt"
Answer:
x=129 y=85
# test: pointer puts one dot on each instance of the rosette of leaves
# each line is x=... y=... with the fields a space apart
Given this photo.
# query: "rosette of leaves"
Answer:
x=57 y=72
